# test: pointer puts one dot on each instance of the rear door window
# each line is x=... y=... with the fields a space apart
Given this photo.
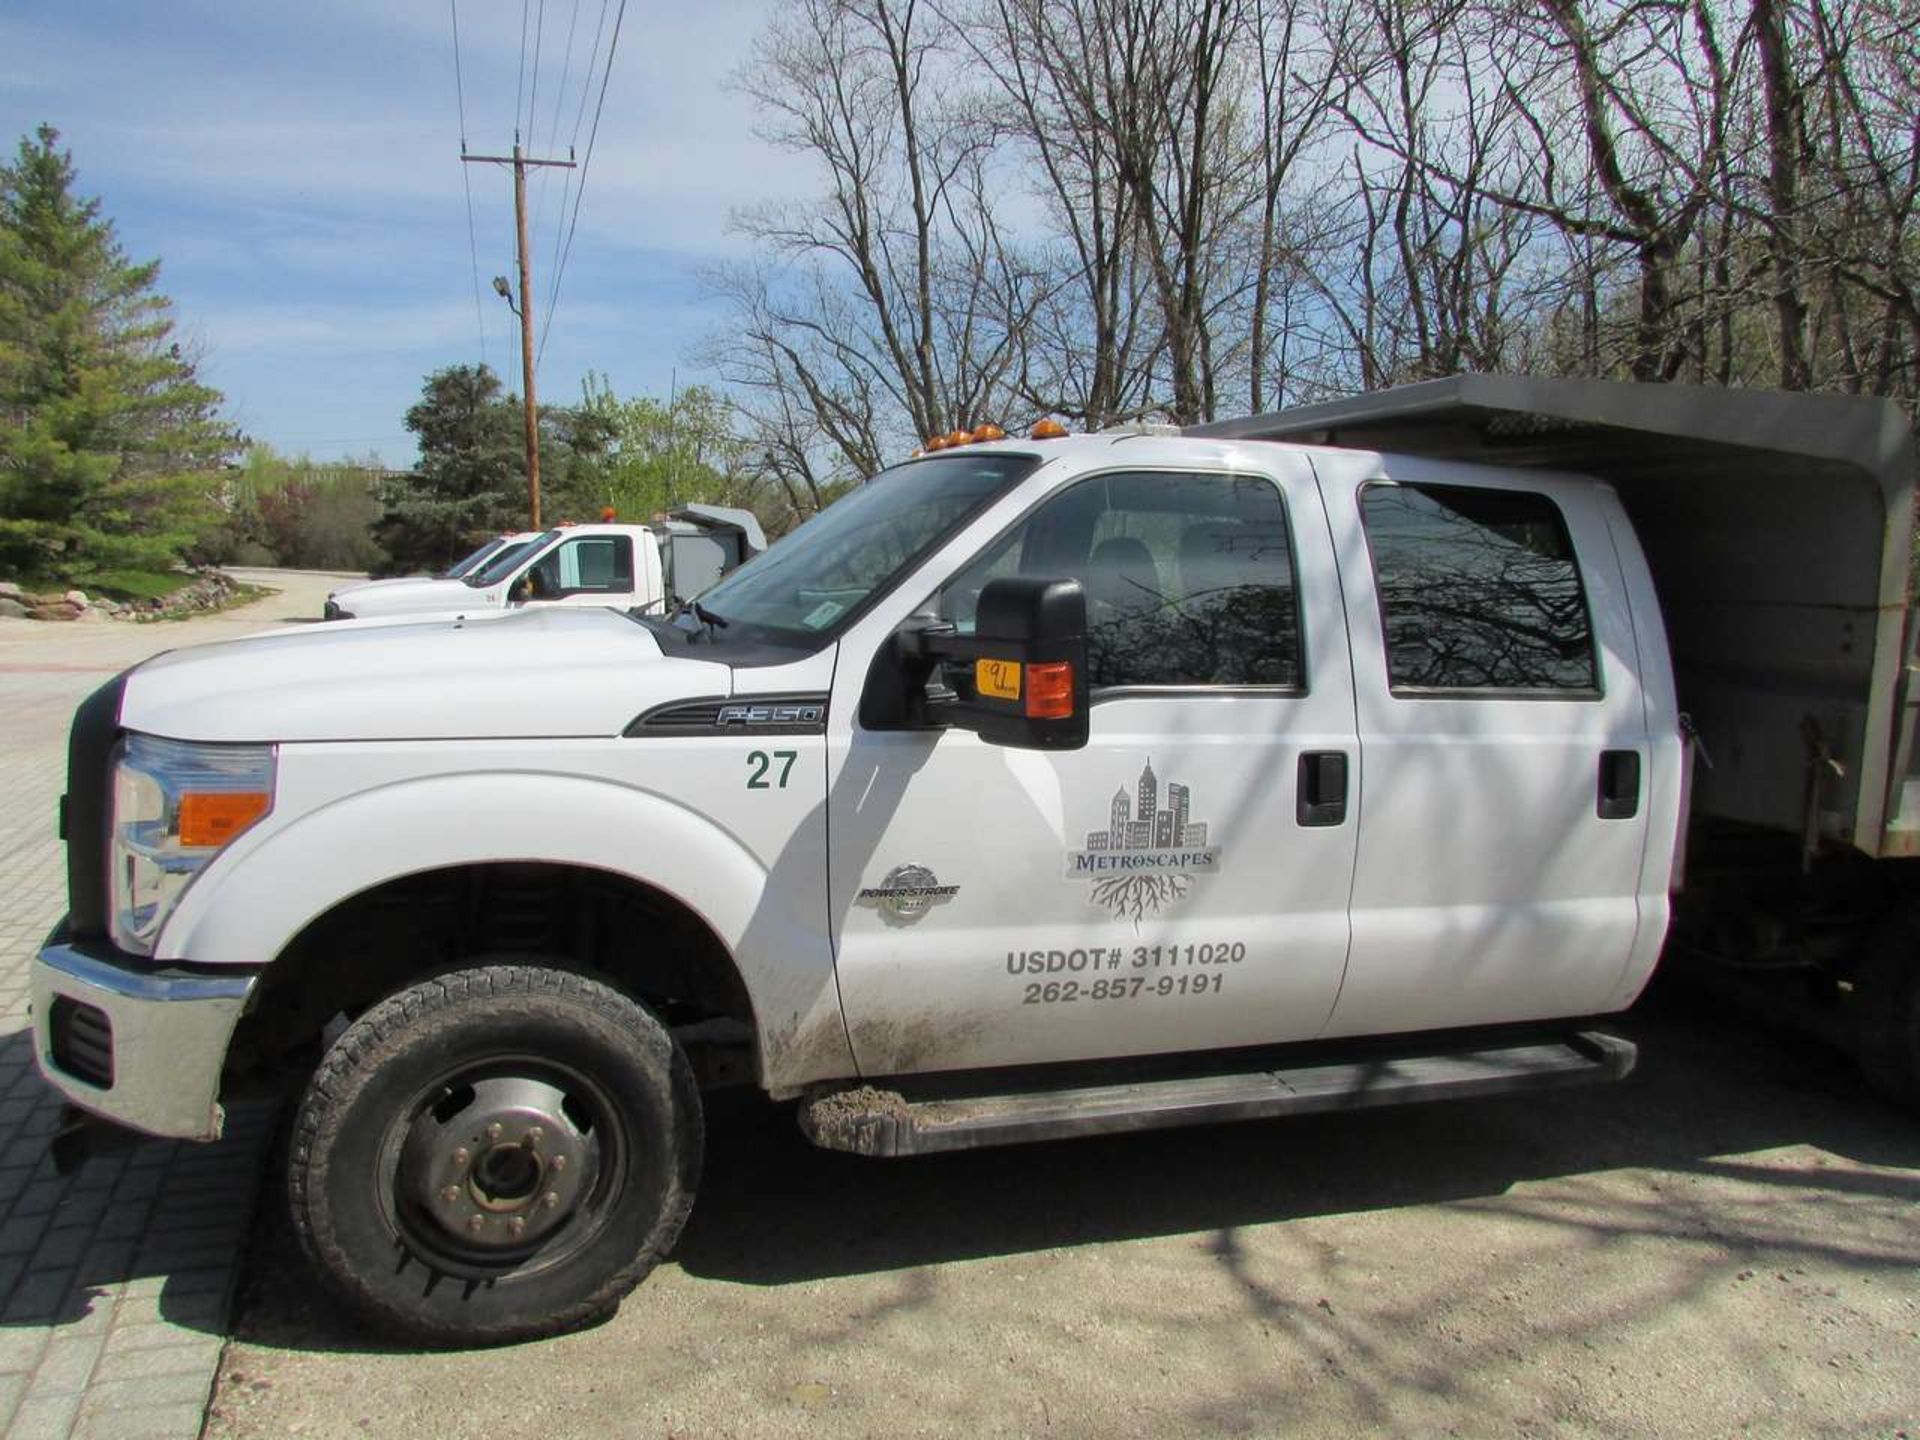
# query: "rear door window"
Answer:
x=1479 y=591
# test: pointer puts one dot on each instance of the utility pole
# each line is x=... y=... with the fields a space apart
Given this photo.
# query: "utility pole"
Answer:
x=520 y=163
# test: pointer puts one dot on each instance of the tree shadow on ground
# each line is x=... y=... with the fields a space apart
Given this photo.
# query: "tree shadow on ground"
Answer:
x=774 y=1211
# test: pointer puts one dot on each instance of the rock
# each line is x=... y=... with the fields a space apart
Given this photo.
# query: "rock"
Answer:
x=12 y=608
x=92 y=616
x=10 y=591
x=77 y=597
x=55 y=610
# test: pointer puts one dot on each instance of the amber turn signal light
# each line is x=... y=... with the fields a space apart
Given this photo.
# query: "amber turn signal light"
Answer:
x=210 y=820
x=1050 y=690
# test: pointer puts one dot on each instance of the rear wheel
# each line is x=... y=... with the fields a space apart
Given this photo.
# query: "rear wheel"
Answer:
x=495 y=1154
x=1887 y=996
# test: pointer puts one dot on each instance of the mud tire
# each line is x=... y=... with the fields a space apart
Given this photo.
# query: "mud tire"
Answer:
x=352 y=1223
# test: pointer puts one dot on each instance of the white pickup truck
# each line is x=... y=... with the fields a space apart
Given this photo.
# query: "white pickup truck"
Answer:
x=645 y=567
x=342 y=600
x=1037 y=788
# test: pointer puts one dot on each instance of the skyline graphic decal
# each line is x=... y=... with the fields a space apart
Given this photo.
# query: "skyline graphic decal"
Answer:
x=1149 y=853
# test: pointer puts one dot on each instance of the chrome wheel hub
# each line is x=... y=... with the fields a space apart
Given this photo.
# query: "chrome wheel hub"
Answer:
x=499 y=1164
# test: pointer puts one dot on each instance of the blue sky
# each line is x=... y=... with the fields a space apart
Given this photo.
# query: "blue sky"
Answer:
x=295 y=168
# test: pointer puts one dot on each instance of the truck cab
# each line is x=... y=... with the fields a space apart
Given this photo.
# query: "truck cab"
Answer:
x=1035 y=788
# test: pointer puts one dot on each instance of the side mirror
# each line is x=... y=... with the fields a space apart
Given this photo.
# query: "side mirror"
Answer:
x=1023 y=680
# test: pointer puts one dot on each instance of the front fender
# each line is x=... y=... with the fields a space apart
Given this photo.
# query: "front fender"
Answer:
x=251 y=903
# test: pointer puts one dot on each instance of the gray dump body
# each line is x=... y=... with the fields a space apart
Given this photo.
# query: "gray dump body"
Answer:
x=1778 y=528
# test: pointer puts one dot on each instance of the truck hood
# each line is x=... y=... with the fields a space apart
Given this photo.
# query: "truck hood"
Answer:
x=392 y=582
x=422 y=595
x=534 y=673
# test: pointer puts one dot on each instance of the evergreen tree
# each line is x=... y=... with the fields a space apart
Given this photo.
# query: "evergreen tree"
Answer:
x=471 y=480
x=109 y=444
x=472 y=477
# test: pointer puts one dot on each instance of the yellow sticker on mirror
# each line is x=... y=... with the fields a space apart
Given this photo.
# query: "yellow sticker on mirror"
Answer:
x=999 y=679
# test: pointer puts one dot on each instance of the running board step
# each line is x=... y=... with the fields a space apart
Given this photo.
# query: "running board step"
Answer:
x=867 y=1120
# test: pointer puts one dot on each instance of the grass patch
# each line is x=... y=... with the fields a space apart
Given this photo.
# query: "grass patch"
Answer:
x=137 y=584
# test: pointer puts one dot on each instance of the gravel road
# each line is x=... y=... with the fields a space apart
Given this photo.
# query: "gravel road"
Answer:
x=1726 y=1244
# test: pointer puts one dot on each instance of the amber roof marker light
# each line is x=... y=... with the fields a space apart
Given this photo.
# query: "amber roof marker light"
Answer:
x=1047 y=430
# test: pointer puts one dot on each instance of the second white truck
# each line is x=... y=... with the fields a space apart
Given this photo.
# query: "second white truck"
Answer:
x=644 y=567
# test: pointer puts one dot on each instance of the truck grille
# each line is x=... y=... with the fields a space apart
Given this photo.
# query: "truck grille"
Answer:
x=82 y=1039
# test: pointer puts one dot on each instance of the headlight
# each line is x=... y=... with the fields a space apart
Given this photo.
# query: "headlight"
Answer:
x=175 y=804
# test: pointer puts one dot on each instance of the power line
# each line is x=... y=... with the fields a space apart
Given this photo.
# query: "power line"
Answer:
x=580 y=191
x=573 y=142
x=473 y=242
x=566 y=69
x=533 y=96
x=520 y=91
x=553 y=131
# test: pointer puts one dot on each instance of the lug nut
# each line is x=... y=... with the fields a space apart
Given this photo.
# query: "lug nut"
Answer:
x=450 y=1194
x=517 y=1224
x=495 y=1131
x=535 y=1135
x=460 y=1158
x=559 y=1162
x=476 y=1223
x=550 y=1199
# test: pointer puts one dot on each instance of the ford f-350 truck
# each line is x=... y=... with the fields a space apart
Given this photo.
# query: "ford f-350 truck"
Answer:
x=1037 y=788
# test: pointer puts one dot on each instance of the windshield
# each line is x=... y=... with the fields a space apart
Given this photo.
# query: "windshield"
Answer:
x=823 y=572
x=503 y=564
x=456 y=571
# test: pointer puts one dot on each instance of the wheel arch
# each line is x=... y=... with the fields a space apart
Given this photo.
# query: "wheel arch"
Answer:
x=277 y=895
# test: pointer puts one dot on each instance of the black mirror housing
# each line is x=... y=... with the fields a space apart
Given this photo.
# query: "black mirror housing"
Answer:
x=1025 y=666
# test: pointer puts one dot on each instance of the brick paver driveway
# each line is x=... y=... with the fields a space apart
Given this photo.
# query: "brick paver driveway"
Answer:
x=115 y=1281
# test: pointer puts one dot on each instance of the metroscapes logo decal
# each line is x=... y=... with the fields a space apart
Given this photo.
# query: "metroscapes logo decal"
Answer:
x=1149 y=853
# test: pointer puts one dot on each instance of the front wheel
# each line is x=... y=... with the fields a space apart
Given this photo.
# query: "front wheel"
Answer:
x=495 y=1154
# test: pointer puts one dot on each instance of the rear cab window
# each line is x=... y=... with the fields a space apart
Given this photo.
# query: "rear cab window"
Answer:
x=1480 y=593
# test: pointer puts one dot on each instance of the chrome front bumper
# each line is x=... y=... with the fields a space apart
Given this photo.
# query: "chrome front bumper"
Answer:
x=168 y=1035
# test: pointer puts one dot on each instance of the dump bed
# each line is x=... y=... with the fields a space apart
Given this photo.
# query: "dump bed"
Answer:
x=1778 y=528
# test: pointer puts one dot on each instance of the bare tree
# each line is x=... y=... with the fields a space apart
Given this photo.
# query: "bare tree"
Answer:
x=1110 y=208
x=899 y=283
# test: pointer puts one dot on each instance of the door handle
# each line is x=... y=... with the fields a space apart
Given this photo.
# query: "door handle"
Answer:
x=1322 y=789
x=1619 y=797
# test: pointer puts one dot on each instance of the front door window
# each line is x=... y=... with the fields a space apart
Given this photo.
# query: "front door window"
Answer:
x=1189 y=578
x=584 y=565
